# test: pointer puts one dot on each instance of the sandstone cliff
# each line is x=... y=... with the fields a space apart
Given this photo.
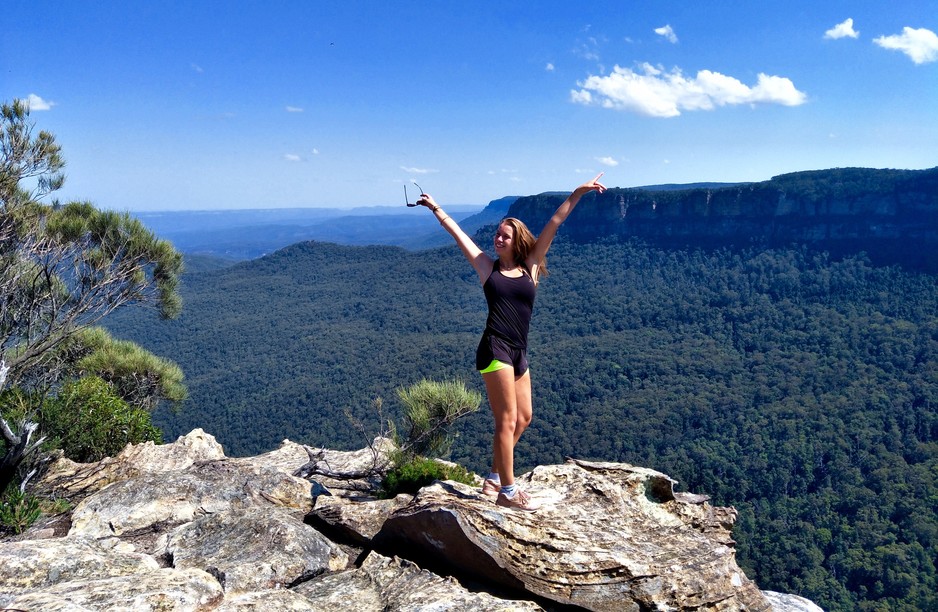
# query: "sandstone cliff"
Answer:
x=183 y=527
x=890 y=214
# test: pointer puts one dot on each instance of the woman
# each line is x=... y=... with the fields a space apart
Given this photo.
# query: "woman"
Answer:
x=510 y=284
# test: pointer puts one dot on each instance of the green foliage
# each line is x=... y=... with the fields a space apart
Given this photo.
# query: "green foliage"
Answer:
x=141 y=378
x=26 y=156
x=88 y=420
x=55 y=505
x=18 y=510
x=417 y=472
x=430 y=410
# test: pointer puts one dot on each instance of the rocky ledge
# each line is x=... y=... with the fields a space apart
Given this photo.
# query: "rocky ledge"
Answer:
x=183 y=527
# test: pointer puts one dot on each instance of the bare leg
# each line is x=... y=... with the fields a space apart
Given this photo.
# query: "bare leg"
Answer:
x=500 y=387
x=524 y=405
x=510 y=399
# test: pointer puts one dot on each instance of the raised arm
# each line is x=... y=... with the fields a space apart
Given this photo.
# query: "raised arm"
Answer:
x=481 y=262
x=546 y=237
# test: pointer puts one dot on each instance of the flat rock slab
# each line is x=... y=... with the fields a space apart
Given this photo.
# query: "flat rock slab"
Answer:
x=30 y=564
x=157 y=591
x=607 y=536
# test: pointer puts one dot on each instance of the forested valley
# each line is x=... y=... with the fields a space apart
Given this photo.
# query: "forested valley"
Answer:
x=798 y=387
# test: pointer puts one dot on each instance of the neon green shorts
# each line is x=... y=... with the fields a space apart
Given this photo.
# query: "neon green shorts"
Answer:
x=495 y=366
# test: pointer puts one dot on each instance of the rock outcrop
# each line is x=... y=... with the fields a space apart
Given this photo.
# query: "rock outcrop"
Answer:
x=182 y=527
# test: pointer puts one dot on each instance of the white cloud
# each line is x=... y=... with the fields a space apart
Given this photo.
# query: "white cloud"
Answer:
x=608 y=161
x=653 y=92
x=668 y=33
x=919 y=44
x=315 y=151
x=549 y=67
x=196 y=68
x=842 y=30
x=418 y=170
x=36 y=103
x=291 y=157
x=294 y=109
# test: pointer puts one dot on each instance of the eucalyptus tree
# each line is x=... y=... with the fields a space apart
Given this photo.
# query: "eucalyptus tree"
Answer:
x=63 y=267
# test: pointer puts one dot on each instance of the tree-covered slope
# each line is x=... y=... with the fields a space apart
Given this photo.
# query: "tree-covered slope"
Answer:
x=799 y=388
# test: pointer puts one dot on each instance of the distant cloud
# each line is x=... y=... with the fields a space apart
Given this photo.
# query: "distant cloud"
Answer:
x=549 y=67
x=842 y=30
x=588 y=49
x=294 y=109
x=291 y=157
x=921 y=45
x=656 y=93
x=607 y=161
x=36 y=103
x=196 y=68
x=315 y=151
x=668 y=33
x=418 y=170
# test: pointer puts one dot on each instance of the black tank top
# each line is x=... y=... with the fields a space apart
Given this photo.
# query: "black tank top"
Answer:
x=511 y=302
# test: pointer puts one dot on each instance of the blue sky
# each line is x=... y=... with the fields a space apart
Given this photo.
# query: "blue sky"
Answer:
x=222 y=105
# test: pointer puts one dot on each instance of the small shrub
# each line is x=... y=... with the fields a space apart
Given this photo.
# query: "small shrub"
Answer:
x=430 y=410
x=55 y=506
x=411 y=476
x=18 y=510
x=90 y=421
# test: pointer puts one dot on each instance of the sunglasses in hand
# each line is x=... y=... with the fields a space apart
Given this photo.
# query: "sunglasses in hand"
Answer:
x=406 y=200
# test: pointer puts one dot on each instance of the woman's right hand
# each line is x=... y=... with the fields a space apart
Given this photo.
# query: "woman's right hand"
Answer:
x=427 y=200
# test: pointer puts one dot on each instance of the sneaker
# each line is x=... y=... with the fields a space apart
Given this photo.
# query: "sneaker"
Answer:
x=490 y=487
x=521 y=501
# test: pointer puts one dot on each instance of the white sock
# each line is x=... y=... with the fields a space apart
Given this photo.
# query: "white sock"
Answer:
x=509 y=490
x=493 y=476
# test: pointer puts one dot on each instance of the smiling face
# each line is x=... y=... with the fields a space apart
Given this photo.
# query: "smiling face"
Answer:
x=504 y=237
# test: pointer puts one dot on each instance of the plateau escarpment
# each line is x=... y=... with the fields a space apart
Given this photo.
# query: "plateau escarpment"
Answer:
x=890 y=214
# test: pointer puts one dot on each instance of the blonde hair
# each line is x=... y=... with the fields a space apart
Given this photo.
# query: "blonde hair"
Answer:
x=522 y=244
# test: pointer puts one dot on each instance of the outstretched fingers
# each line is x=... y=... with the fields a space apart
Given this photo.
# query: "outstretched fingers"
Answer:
x=594 y=185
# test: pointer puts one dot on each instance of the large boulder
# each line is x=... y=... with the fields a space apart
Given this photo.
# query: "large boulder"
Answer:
x=254 y=549
x=70 y=480
x=356 y=522
x=158 y=501
x=607 y=536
